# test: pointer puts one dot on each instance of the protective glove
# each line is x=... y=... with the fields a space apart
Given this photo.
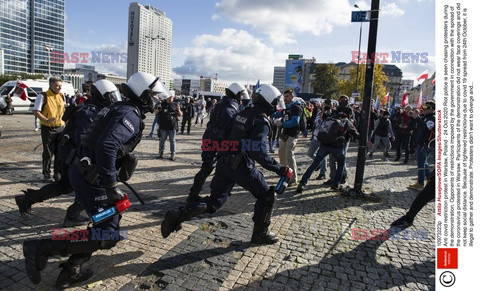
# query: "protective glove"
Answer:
x=114 y=194
x=282 y=170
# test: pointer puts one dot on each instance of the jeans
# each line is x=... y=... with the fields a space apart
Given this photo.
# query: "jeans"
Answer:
x=154 y=125
x=333 y=163
x=286 y=154
x=386 y=142
x=422 y=163
x=312 y=149
x=323 y=151
x=163 y=137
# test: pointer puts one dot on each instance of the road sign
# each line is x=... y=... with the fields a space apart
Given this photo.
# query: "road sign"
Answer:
x=355 y=95
x=360 y=16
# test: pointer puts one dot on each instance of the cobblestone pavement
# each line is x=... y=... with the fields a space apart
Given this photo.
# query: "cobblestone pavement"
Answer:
x=316 y=249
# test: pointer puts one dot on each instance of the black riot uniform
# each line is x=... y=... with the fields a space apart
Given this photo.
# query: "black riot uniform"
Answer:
x=248 y=140
x=222 y=114
x=115 y=132
x=78 y=119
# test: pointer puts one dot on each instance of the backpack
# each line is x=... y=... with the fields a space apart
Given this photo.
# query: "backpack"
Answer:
x=302 y=125
x=329 y=130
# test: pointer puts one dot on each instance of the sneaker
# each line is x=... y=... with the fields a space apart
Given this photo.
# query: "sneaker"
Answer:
x=36 y=129
x=172 y=157
x=334 y=187
x=344 y=180
x=416 y=186
x=300 y=188
x=387 y=155
x=321 y=177
x=405 y=161
x=397 y=159
x=328 y=183
x=402 y=222
x=57 y=177
x=150 y=136
x=160 y=155
x=370 y=155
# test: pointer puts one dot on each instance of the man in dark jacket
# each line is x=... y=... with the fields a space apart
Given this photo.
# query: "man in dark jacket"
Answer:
x=187 y=114
x=335 y=148
x=167 y=112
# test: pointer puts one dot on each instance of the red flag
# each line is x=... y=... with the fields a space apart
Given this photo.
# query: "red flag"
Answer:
x=419 y=100
x=21 y=91
x=385 y=99
x=405 y=98
x=423 y=75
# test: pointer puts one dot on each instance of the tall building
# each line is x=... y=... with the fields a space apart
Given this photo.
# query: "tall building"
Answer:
x=149 y=41
x=279 y=78
x=29 y=31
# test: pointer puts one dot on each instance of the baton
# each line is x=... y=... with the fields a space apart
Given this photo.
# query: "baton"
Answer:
x=37 y=147
x=134 y=192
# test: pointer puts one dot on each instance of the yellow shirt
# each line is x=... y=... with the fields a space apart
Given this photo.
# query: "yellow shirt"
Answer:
x=54 y=107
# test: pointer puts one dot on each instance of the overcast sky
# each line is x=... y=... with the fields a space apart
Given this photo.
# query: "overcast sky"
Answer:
x=242 y=40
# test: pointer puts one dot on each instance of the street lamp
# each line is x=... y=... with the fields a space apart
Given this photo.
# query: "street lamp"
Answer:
x=155 y=55
x=359 y=54
x=48 y=48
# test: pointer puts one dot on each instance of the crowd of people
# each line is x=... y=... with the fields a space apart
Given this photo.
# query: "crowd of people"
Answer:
x=91 y=145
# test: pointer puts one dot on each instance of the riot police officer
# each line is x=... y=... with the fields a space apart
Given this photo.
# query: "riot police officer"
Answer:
x=113 y=134
x=222 y=114
x=78 y=119
x=248 y=141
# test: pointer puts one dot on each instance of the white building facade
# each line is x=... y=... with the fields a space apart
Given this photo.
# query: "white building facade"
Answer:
x=149 y=41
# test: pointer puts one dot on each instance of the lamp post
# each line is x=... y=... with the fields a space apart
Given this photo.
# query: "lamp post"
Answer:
x=48 y=48
x=155 y=54
x=359 y=45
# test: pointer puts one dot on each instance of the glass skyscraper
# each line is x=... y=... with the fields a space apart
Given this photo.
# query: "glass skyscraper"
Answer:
x=29 y=31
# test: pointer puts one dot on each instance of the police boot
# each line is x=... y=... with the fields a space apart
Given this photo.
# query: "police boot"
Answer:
x=73 y=217
x=193 y=196
x=262 y=219
x=37 y=252
x=173 y=218
x=72 y=272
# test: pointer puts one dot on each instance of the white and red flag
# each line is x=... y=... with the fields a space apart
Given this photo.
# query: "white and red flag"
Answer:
x=419 y=100
x=423 y=75
x=21 y=91
x=405 y=98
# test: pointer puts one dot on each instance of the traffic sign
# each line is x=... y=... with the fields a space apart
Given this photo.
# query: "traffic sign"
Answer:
x=360 y=16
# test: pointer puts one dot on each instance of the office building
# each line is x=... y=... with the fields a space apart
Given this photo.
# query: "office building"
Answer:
x=29 y=31
x=149 y=41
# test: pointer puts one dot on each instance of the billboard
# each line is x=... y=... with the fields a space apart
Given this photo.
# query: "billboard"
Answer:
x=294 y=75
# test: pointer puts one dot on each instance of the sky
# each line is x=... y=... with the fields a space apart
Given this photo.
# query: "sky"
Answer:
x=242 y=40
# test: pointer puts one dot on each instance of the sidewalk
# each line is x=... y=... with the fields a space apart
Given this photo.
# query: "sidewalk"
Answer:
x=316 y=249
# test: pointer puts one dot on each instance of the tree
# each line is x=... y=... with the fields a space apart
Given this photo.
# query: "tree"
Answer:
x=346 y=87
x=326 y=80
x=22 y=76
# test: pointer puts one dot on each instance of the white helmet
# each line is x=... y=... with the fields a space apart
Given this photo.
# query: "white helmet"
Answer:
x=144 y=86
x=237 y=91
x=105 y=92
x=267 y=96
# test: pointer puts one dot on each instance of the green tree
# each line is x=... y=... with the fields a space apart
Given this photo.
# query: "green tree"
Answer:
x=22 y=76
x=326 y=80
x=346 y=87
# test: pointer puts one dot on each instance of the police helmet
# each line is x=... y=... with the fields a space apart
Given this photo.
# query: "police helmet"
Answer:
x=145 y=90
x=237 y=91
x=267 y=97
x=105 y=92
